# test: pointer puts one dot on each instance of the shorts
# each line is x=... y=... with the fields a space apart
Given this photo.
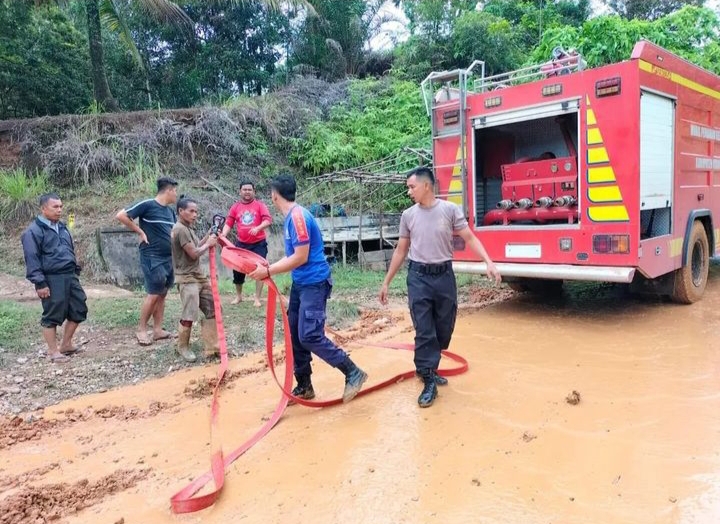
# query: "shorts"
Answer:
x=259 y=248
x=67 y=301
x=196 y=297
x=158 y=274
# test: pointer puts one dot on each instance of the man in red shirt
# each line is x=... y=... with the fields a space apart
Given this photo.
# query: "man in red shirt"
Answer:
x=252 y=218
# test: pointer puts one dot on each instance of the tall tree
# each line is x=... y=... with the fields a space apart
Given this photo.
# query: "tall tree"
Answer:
x=42 y=62
x=649 y=9
x=434 y=18
x=106 y=14
x=335 y=42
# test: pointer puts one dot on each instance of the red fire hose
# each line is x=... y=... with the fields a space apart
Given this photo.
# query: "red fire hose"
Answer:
x=186 y=500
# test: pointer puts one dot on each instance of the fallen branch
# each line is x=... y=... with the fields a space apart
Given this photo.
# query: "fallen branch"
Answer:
x=218 y=188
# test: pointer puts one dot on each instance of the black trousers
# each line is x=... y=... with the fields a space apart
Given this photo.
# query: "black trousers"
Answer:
x=432 y=296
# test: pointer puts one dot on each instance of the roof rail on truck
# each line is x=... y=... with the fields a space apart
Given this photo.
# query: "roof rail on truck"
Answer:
x=555 y=67
x=453 y=94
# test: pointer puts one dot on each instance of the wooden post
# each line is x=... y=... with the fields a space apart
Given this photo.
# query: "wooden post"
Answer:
x=332 y=219
x=360 y=224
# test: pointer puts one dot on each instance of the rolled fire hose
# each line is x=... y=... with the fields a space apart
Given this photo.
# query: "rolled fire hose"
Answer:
x=186 y=500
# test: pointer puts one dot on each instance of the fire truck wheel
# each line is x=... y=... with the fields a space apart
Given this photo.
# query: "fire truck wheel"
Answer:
x=536 y=286
x=690 y=280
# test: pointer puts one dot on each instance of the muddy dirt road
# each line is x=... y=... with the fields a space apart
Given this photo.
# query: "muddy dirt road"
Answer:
x=508 y=442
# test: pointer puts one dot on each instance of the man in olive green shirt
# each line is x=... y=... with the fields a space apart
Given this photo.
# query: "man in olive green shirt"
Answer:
x=195 y=291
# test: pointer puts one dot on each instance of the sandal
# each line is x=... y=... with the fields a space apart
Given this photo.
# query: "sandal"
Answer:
x=164 y=335
x=143 y=339
x=73 y=350
x=58 y=358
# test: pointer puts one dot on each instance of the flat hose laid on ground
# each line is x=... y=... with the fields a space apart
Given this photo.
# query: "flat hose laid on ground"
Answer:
x=244 y=261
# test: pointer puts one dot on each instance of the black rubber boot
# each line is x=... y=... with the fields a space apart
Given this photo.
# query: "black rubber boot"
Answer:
x=354 y=379
x=440 y=381
x=429 y=392
x=304 y=389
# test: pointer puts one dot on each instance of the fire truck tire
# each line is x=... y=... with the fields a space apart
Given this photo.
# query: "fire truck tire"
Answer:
x=691 y=279
x=537 y=286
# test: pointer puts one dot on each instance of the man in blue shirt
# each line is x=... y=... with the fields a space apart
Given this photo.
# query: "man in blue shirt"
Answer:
x=311 y=287
x=51 y=265
x=156 y=219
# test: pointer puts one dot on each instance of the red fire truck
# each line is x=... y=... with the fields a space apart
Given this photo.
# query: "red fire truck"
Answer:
x=609 y=174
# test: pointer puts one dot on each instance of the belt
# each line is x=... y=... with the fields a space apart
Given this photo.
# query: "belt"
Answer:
x=430 y=269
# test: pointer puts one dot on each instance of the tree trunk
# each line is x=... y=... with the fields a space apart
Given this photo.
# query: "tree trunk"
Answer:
x=103 y=96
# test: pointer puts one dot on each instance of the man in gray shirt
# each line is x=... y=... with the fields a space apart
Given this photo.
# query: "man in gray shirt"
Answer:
x=426 y=233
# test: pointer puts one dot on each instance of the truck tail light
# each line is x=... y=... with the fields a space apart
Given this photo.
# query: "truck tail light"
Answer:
x=611 y=244
x=607 y=87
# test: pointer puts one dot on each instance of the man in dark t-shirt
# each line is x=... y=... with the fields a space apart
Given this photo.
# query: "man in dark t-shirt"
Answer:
x=156 y=219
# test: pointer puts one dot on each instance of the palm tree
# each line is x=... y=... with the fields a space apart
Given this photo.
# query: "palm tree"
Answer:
x=105 y=13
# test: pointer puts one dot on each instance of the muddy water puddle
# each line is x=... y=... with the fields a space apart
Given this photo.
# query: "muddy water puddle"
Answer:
x=595 y=408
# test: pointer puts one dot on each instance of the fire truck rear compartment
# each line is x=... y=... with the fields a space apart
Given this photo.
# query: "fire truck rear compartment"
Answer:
x=526 y=173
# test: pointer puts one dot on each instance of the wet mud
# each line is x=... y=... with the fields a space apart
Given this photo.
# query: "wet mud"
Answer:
x=593 y=407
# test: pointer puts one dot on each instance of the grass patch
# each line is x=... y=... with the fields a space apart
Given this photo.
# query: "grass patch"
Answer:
x=19 y=192
x=342 y=314
x=18 y=324
x=112 y=313
x=115 y=312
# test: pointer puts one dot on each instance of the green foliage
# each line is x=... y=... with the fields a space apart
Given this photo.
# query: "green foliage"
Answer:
x=142 y=173
x=479 y=35
x=43 y=62
x=691 y=32
x=420 y=55
x=332 y=42
x=381 y=117
x=649 y=9
x=435 y=18
x=19 y=194
x=94 y=108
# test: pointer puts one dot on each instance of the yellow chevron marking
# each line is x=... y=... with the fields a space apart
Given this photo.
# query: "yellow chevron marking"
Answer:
x=591 y=117
x=605 y=194
x=594 y=136
x=601 y=174
x=597 y=155
x=608 y=214
x=455 y=187
x=456 y=170
x=587 y=100
x=678 y=79
x=675 y=246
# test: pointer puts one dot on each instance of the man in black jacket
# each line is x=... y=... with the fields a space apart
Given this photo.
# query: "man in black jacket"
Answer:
x=52 y=267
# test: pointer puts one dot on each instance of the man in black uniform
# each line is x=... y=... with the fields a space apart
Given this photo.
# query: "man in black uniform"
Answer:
x=51 y=265
x=426 y=233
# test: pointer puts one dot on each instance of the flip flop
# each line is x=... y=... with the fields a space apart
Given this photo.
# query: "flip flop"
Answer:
x=73 y=350
x=143 y=340
x=59 y=358
x=164 y=336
